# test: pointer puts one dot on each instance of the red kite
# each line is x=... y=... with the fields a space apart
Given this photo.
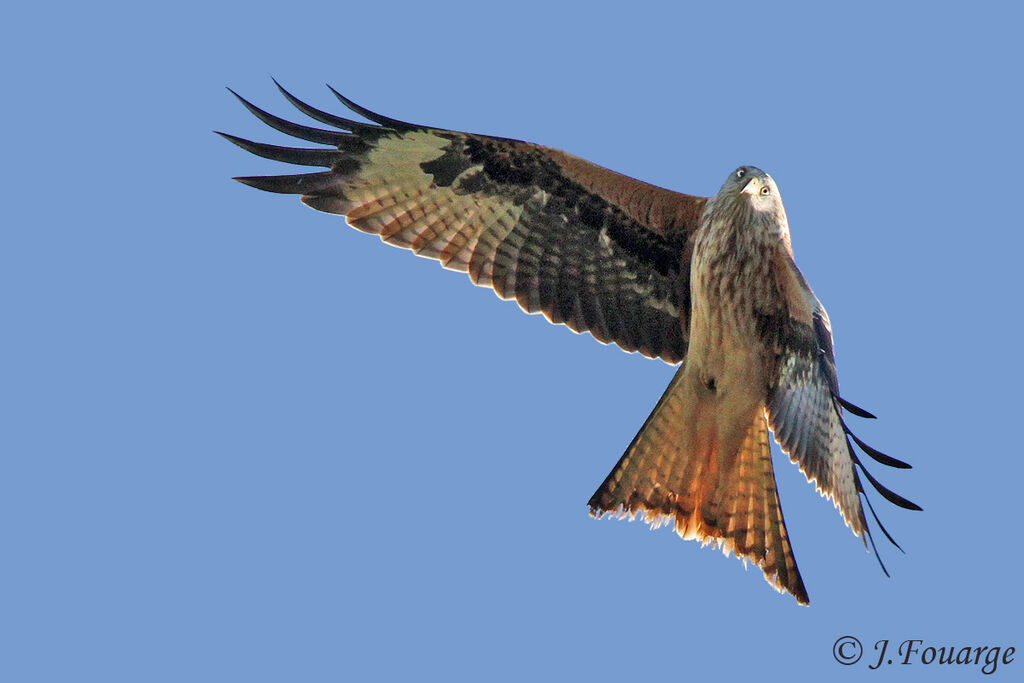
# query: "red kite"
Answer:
x=708 y=283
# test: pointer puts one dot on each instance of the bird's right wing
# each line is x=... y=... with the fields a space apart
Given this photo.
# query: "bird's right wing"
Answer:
x=806 y=410
x=587 y=247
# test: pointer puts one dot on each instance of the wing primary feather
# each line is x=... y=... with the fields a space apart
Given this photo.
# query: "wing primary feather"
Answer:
x=892 y=497
x=881 y=526
x=289 y=155
x=324 y=117
x=859 y=412
x=327 y=137
x=303 y=183
x=874 y=548
x=875 y=454
x=373 y=116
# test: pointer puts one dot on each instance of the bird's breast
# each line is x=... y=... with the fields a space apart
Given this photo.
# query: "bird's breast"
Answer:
x=732 y=285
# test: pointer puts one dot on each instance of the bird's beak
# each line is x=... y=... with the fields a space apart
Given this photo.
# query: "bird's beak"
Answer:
x=752 y=186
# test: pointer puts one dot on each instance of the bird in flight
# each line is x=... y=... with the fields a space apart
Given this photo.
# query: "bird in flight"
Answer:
x=706 y=283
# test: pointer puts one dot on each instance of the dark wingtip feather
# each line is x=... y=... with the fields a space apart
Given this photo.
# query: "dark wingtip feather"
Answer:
x=327 y=137
x=891 y=496
x=876 y=454
x=874 y=548
x=882 y=527
x=373 y=116
x=325 y=117
x=288 y=155
x=305 y=183
x=859 y=412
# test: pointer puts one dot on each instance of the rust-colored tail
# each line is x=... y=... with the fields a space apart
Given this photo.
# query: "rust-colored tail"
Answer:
x=673 y=474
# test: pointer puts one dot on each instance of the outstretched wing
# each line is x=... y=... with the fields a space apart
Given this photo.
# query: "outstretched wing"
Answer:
x=589 y=248
x=806 y=410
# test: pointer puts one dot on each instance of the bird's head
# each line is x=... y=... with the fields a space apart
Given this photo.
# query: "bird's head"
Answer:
x=749 y=196
x=751 y=184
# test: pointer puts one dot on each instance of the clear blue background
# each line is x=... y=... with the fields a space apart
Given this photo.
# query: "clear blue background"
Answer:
x=242 y=441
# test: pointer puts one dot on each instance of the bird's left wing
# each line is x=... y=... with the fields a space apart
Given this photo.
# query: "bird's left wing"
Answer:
x=592 y=249
x=806 y=410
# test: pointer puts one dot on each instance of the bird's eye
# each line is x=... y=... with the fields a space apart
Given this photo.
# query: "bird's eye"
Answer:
x=766 y=190
x=740 y=173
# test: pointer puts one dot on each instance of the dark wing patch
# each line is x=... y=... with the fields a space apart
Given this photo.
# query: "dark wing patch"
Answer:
x=586 y=247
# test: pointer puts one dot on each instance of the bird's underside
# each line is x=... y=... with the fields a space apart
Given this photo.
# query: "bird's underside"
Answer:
x=705 y=282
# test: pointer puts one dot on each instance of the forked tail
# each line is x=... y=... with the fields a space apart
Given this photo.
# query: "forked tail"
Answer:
x=672 y=474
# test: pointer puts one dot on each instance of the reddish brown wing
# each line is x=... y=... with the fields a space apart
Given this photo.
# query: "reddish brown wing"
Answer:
x=587 y=247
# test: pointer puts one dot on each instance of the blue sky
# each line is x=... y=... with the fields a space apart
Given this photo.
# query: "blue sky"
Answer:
x=244 y=442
